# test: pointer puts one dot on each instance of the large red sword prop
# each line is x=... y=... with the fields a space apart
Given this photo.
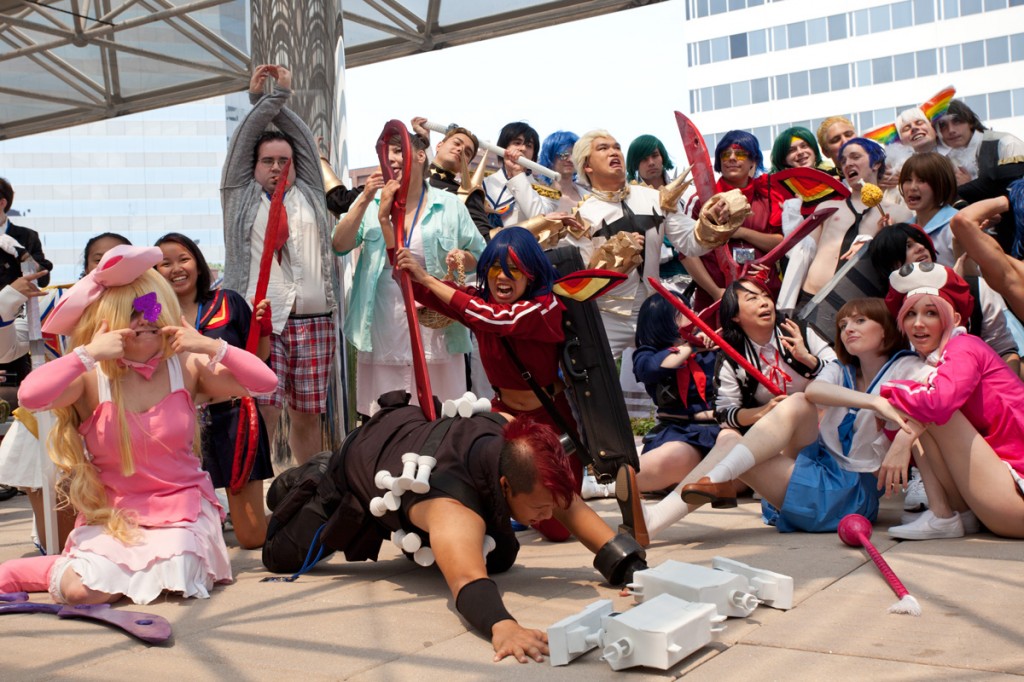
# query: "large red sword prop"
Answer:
x=702 y=172
x=419 y=361
x=277 y=220
x=711 y=334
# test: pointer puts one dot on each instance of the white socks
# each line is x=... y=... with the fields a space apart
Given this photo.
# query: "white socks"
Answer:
x=739 y=461
x=663 y=514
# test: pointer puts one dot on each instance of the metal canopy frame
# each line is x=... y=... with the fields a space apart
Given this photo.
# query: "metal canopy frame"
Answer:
x=68 y=62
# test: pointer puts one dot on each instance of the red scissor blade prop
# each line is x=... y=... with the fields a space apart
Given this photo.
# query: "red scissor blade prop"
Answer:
x=419 y=361
x=276 y=220
x=711 y=334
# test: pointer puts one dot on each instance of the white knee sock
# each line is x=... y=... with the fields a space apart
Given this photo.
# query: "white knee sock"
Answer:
x=666 y=512
x=739 y=461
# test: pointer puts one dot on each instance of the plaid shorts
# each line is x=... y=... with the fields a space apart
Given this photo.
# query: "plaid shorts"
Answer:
x=301 y=356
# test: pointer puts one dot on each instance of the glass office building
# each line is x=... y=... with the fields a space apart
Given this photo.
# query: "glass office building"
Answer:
x=765 y=65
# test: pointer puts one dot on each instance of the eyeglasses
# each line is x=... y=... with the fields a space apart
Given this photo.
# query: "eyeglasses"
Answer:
x=738 y=154
x=565 y=156
x=513 y=272
x=270 y=161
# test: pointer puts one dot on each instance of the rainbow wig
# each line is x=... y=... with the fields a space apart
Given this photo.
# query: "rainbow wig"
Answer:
x=744 y=141
x=780 y=150
x=554 y=144
x=516 y=243
x=640 y=149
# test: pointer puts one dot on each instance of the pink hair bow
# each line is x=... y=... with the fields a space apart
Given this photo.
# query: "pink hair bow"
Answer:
x=120 y=265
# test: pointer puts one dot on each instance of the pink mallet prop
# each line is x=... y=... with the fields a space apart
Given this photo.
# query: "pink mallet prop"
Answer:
x=855 y=530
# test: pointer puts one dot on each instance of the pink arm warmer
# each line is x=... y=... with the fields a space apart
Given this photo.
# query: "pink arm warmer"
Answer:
x=249 y=371
x=45 y=384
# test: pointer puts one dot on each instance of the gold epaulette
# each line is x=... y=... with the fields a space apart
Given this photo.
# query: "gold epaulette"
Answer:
x=547 y=191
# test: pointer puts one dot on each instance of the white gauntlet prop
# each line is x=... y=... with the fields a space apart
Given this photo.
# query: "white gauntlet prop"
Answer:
x=709 y=232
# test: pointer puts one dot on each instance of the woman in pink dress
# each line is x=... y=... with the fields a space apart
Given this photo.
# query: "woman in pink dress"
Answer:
x=125 y=403
x=970 y=407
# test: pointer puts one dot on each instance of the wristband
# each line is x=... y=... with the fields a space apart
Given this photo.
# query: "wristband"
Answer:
x=481 y=605
x=222 y=350
x=86 y=357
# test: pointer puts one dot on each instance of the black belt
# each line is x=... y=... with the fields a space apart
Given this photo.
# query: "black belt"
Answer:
x=307 y=316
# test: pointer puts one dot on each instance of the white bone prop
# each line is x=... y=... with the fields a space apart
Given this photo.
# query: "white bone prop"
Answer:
x=489 y=545
x=421 y=484
x=385 y=481
x=410 y=460
x=574 y=636
x=449 y=408
x=658 y=633
x=467 y=409
x=407 y=542
x=500 y=151
x=377 y=506
x=773 y=589
x=424 y=556
x=392 y=501
x=727 y=591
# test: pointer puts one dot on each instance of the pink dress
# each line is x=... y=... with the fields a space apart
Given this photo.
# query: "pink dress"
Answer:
x=180 y=547
x=970 y=377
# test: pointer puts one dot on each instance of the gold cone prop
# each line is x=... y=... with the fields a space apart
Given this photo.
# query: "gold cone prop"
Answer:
x=471 y=183
x=331 y=180
x=670 y=194
x=547 y=232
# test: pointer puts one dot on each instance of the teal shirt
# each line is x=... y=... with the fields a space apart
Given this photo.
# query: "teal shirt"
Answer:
x=446 y=225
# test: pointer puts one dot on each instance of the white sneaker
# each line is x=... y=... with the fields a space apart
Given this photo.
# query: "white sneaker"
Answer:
x=972 y=526
x=917 y=498
x=928 y=526
x=591 y=489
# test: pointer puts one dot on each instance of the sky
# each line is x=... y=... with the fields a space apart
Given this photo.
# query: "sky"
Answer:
x=614 y=72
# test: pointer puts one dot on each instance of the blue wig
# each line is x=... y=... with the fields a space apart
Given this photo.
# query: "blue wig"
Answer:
x=745 y=141
x=554 y=144
x=532 y=261
x=656 y=324
x=875 y=152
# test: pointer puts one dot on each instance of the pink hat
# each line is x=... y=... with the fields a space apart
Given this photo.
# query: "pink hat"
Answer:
x=120 y=265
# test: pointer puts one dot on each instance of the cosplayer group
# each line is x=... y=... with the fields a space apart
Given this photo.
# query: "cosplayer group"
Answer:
x=163 y=388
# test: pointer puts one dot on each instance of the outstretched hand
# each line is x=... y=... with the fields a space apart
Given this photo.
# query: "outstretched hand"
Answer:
x=26 y=286
x=511 y=639
x=404 y=260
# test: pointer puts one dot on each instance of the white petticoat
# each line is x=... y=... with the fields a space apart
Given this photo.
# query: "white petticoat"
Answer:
x=188 y=557
x=21 y=456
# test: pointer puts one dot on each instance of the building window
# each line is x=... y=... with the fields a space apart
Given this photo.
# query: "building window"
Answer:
x=860 y=23
x=837 y=27
x=737 y=4
x=1018 y=102
x=952 y=58
x=903 y=66
x=819 y=81
x=881 y=70
x=978 y=104
x=763 y=135
x=738 y=45
x=719 y=49
x=1000 y=105
x=950 y=9
x=741 y=93
x=997 y=51
x=757 y=41
x=704 y=51
x=902 y=14
x=993 y=5
x=974 y=54
x=779 y=38
x=782 y=87
x=703 y=8
x=797 y=34
x=864 y=73
x=798 y=85
x=759 y=90
x=718 y=6
x=927 y=63
x=924 y=11
x=880 y=19
x=707 y=99
x=840 y=76
x=723 y=96
x=968 y=7
x=1017 y=46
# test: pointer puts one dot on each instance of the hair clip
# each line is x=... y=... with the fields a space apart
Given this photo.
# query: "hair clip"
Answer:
x=148 y=306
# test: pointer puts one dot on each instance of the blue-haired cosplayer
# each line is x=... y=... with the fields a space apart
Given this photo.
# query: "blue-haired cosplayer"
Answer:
x=514 y=304
x=762 y=229
x=683 y=393
x=558 y=142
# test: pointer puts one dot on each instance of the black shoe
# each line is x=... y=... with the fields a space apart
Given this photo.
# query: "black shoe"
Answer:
x=7 y=492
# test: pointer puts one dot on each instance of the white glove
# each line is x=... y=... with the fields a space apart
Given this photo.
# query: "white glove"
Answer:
x=10 y=244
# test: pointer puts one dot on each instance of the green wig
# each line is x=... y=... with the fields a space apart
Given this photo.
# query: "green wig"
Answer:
x=780 y=150
x=640 y=149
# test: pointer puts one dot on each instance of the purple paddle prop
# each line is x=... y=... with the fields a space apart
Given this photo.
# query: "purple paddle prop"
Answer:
x=145 y=626
x=855 y=530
